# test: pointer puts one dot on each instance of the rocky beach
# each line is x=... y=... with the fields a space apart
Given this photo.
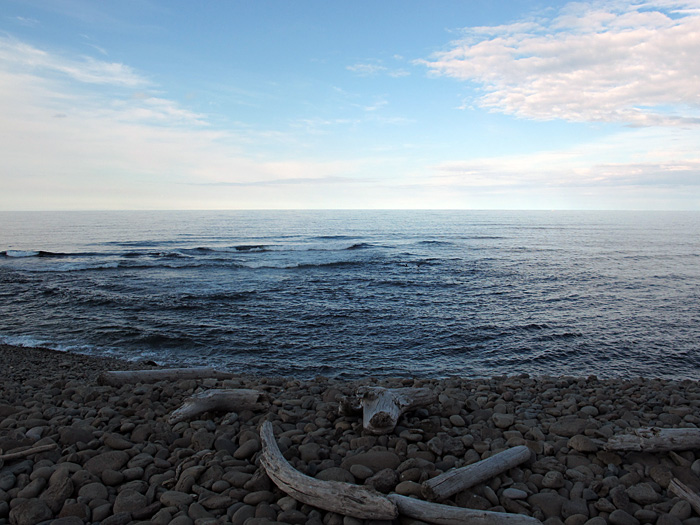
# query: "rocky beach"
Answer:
x=76 y=451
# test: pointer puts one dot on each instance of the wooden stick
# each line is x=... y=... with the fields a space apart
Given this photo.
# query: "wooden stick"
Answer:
x=28 y=452
x=342 y=498
x=683 y=491
x=233 y=400
x=382 y=407
x=447 y=515
x=656 y=440
x=123 y=377
x=456 y=480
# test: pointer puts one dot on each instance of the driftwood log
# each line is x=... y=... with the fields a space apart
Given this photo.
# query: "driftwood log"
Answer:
x=233 y=400
x=382 y=407
x=455 y=480
x=656 y=440
x=124 y=377
x=27 y=452
x=683 y=491
x=335 y=496
x=447 y=515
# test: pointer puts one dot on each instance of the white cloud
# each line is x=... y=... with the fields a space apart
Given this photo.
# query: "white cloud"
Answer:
x=633 y=63
x=21 y=56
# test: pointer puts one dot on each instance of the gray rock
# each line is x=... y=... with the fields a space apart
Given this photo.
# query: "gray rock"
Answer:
x=620 y=517
x=582 y=444
x=361 y=472
x=384 y=481
x=568 y=426
x=57 y=493
x=121 y=518
x=173 y=498
x=549 y=502
x=309 y=452
x=93 y=491
x=553 y=480
x=293 y=517
x=247 y=449
x=128 y=500
x=242 y=514
x=668 y=519
x=513 y=493
x=30 y=512
x=503 y=420
x=113 y=460
x=336 y=474
x=375 y=460
x=574 y=506
x=643 y=493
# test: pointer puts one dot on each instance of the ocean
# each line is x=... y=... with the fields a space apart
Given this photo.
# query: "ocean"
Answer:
x=349 y=294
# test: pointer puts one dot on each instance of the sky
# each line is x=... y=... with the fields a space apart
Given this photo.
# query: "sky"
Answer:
x=272 y=104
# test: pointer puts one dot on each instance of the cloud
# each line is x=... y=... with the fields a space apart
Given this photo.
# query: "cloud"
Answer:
x=644 y=158
x=21 y=56
x=632 y=63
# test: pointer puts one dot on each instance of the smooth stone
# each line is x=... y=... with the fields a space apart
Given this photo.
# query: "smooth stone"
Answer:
x=113 y=460
x=361 y=472
x=336 y=474
x=128 y=500
x=457 y=421
x=384 y=481
x=293 y=517
x=173 y=498
x=503 y=420
x=620 y=517
x=247 y=449
x=549 y=502
x=253 y=498
x=30 y=512
x=93 y=491
x=376 y=460
x=553 y=480
x=513 y=493
x=582 y=444
x=409 y=488
x=643 y=493
x=568 y=427
x=57 y=493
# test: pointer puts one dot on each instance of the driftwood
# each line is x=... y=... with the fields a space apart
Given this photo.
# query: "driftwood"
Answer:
x=123 y=377
x=382 y=407
x=683 y=491
x=456 y=480
x=27 y=452
x=233 y=400
x=447 y=515
x=343 y=498
x=656 y=440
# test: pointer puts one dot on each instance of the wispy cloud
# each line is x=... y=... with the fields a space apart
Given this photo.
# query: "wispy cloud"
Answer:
x=610 y=61
x=23 y=56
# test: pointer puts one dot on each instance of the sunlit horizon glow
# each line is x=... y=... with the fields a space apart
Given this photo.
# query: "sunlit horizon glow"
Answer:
x=170 y=105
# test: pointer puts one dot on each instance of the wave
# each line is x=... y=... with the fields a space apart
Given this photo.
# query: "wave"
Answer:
x=31 y=253
x=359 y=246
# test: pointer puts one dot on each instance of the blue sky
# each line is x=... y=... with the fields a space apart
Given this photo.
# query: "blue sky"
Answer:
x=392 y=104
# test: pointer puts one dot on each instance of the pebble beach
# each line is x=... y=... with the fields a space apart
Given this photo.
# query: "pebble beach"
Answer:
x=110 y=456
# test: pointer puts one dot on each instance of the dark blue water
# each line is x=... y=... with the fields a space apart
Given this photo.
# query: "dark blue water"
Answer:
x=349 y=293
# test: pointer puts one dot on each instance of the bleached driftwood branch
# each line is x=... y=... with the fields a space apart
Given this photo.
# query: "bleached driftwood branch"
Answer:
x=233 y=400
x=447 y=515
x=342 y=498
x=456 y=480
x=382 y=407
x=656 y=440
x=683 y=491
x=123 y=377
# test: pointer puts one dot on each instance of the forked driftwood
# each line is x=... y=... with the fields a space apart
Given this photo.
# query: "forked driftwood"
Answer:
x=343 y=498
x=456 y=480
x=447 y=515
x=382 y=407
x=123 y=377
x=233 y=400
x=656 y=440
x=683 y=491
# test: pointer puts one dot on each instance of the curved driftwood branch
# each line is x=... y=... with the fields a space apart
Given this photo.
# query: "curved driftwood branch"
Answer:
x=656 y=440
x=123 y=377
x=233 y=400
x=446 y=515
x=382 y=407
x=343 y=498
x=456 y=480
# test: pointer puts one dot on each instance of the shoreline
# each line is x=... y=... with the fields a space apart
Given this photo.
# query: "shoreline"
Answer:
x=118 y=460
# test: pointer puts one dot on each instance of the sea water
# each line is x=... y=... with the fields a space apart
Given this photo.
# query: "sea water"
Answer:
x=357 y=293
